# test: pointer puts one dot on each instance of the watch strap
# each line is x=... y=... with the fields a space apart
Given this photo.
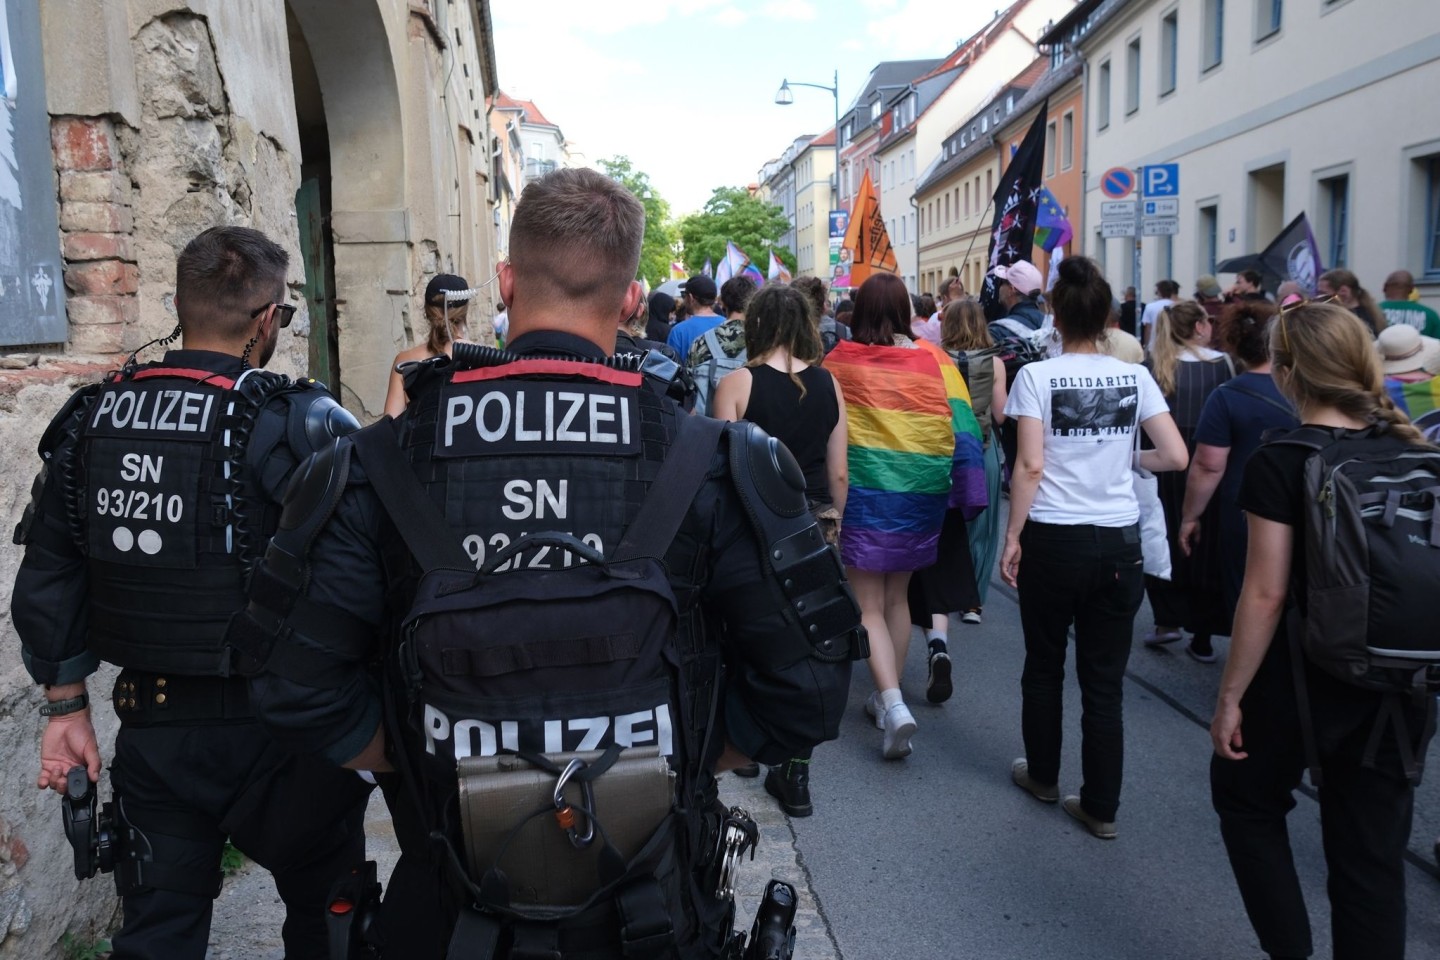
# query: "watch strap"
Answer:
x=61 y=708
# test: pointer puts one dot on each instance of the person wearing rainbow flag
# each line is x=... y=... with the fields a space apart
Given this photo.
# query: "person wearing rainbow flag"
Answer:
x=914 y=450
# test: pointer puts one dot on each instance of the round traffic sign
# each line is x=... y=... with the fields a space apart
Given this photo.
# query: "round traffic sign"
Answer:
x=1117 y=182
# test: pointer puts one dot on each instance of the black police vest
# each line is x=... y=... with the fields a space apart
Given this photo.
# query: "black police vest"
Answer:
x=538 y=444
x=162 y=504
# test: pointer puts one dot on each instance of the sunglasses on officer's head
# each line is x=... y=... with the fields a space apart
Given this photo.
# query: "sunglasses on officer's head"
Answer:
x=283 y=310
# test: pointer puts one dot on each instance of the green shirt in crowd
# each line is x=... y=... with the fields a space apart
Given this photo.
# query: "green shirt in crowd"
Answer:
x=1412 y=314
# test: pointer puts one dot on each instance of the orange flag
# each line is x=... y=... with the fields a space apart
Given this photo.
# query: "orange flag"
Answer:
x=866 y=238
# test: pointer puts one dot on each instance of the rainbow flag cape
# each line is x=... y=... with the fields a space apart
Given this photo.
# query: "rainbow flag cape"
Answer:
x=1421 y=402
x=905 y=411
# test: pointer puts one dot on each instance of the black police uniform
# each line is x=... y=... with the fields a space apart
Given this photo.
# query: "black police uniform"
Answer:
x=786 y=667
x=160 y=489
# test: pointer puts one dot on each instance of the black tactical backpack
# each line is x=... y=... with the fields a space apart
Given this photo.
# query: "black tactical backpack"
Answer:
x=545 y=688
x=1372 y=569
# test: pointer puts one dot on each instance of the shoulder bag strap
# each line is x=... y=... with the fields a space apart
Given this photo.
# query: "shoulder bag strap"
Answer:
x=414 y=514
x=678 y=481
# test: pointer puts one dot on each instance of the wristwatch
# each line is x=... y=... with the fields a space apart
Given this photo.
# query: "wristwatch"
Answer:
x=60 y=708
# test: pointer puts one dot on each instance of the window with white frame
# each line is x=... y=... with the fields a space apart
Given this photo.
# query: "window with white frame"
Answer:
x=1102 y=97
x=1050 y=138
x=1169 y=51
x=1132 y=76
x=1067 y=141
x=1213 y=32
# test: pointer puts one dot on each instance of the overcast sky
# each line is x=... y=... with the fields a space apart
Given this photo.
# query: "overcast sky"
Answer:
x=686 y=88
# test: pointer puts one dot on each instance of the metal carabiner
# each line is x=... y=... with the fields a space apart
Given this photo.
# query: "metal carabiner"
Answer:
x=565 y=814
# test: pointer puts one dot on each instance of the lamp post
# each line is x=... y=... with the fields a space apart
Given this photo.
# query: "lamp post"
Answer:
x=784 y=97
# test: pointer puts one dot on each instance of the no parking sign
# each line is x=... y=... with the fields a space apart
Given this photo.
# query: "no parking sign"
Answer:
x=1117 y=182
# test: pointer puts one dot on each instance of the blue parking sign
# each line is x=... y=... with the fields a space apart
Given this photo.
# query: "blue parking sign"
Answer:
x=1161 y=180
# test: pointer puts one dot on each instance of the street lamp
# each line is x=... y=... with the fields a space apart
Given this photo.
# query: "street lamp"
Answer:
x=784 y=97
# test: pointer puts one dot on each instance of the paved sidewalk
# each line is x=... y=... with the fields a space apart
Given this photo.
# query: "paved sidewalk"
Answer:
x=248 y=914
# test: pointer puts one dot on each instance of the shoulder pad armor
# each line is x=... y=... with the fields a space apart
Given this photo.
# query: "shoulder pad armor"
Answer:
x=796 y=559
x=67 y=419
x=317 y=418
x=768 y=469
x=277 y=586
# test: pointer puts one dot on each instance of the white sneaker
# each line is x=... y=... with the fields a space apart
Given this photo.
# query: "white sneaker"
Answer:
x=970 y=616
x=874 y=711
x=899 y=727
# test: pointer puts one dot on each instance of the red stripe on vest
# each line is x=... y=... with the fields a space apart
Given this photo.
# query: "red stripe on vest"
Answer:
x=571 y=368
x=199 y=376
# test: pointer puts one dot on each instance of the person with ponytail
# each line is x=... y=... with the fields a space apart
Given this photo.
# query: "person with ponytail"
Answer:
x=1072 y=542
x=1325 y=363
x=1235 y=418
x=782 y=390
x=442 y=328
x=1345 y=287
x=1187 y=371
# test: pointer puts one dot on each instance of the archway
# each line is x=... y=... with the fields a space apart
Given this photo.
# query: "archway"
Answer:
x=355 y=154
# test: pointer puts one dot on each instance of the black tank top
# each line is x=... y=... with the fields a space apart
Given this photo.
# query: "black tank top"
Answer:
x=802 y=425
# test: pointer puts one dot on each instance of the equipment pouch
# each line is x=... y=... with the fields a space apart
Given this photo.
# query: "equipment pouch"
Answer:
x=546 y=834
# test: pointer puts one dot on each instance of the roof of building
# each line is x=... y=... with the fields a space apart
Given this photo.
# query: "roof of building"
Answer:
x=533 y=115
x=965 y=52
x=1086 y=16
x=892 y=73
x=1037 y=86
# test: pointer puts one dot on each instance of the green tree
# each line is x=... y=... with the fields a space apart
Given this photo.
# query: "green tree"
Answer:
x=733 y=214
x=657 y=249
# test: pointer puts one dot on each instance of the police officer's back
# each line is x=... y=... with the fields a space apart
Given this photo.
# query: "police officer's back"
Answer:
x=553 y=436
x=158 y=494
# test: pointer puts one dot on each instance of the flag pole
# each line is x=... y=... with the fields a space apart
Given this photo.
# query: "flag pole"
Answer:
x=976 y=234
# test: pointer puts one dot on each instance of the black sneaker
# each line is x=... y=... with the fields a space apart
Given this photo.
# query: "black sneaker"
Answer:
x=750 y=771
x=939 y=688
x=790 y=784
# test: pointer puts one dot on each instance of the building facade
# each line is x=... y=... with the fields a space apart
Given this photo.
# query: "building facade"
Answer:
x=778 y=181
x=868 y=120
x=353 y=132
x=1262 y=129
x=955 y=197
x=814 y=180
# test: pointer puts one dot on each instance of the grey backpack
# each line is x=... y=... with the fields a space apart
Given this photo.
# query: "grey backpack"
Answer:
x=709 y=374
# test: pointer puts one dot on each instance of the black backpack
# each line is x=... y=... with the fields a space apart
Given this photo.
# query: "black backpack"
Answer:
x=552 y=662
x=1372 y=568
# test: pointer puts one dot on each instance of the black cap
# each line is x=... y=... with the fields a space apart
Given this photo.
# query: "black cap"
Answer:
x=700 y=287
x=443 y=283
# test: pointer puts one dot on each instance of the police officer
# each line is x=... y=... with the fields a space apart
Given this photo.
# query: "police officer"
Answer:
x=159 y=490
x=767 y=624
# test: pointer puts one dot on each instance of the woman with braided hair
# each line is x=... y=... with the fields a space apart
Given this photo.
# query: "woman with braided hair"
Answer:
x=1326 y=365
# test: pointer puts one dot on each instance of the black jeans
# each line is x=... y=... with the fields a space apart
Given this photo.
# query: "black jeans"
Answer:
x=1090 y=577
x=189 y=786
x=1365 y=813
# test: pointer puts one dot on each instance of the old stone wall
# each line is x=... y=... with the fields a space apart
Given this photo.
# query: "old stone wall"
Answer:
x=134 y=183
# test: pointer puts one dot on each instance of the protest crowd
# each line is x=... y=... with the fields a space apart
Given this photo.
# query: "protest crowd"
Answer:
x=612 y=545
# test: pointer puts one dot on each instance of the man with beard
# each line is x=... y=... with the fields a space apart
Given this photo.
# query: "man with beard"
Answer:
x=159 y=492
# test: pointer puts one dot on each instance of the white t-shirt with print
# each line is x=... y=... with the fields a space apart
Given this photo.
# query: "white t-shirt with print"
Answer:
x=1090 y=406
x=1153 y=309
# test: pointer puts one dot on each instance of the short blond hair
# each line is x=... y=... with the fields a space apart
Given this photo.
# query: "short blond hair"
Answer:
x=576 y=237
